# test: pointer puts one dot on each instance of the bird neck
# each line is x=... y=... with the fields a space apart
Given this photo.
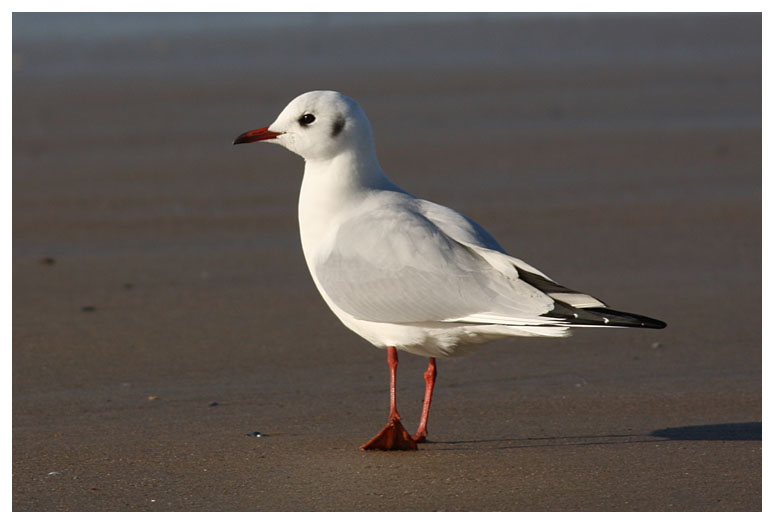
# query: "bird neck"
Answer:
x=331 y=190
x=347 y=173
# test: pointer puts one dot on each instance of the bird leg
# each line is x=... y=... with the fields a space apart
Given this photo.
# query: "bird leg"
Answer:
x=393 y=436
x=430 y=381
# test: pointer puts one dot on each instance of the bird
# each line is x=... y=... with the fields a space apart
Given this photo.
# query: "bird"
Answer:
x=405 y=273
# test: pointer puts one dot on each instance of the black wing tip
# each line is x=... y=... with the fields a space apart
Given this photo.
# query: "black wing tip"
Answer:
x=587 y=316
x=603 y=317
x=647 y=322
x=627 y=319
x=656 y=323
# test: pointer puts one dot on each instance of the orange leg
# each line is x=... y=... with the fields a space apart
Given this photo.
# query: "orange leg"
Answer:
x=393 y=436
x=430 y=381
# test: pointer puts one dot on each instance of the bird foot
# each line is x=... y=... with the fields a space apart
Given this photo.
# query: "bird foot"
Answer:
x=392 y=437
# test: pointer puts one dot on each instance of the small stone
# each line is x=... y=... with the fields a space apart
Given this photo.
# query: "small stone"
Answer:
x=656 y=345
x=88 y=308
x=255 y=434
x=54 y=473
x=214 y=404
x=153 y=398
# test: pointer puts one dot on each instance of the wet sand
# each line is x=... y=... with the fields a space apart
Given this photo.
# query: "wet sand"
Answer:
x=163 y=313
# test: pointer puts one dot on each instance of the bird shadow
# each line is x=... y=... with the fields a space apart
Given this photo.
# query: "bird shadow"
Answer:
x=749 y=431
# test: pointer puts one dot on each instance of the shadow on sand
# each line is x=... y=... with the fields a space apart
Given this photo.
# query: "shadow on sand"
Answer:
x=751 y=431
x=722 y=432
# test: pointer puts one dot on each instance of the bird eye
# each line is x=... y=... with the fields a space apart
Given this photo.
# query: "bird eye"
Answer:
x=306 y=119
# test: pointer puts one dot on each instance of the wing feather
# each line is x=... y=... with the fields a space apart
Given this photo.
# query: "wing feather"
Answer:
x=394 y=264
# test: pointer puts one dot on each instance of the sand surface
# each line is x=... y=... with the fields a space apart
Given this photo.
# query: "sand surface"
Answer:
x=163 y=313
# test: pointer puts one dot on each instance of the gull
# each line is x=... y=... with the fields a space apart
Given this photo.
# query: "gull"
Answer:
x=405 y=273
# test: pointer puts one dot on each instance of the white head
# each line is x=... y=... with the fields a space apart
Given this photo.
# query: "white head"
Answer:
x=318 y=126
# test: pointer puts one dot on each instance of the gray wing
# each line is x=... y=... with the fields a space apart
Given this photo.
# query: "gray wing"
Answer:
x=457 y=226
x=469 y=233
x=394 y=264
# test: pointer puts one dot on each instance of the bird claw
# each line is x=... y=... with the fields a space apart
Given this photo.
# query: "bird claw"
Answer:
x=392 y=437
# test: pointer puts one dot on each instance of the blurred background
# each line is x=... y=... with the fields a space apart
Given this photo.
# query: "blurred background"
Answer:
x=157 y=268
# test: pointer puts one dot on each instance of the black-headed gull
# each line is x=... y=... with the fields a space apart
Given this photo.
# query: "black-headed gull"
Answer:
x=405 y=273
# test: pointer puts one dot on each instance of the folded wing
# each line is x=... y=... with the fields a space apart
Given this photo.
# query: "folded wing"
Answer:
x=427 y=263
x=395 y=265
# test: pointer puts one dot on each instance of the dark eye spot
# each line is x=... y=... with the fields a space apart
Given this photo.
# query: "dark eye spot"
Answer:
x=337 y=127
x=306 y=119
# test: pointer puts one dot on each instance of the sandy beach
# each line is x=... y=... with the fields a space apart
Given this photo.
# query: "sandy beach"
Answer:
x=163 y=314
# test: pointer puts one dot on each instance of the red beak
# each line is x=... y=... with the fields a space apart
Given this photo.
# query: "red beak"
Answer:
x=256 y=135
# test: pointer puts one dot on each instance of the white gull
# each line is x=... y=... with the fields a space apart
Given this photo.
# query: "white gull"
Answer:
x=405 y=273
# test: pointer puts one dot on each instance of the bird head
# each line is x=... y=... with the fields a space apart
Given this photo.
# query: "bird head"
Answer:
x=318 y=126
